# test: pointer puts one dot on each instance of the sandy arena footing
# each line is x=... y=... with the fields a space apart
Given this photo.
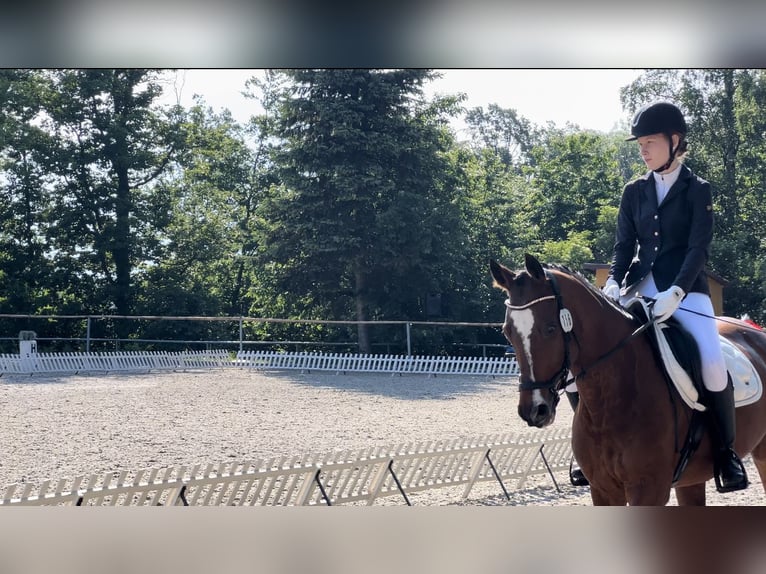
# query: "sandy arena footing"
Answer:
x=70 y=425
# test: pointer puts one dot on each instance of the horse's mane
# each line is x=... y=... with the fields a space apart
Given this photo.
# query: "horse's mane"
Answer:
x=590 y=287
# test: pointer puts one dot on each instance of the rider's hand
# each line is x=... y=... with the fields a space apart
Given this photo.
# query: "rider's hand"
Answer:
x=612 y=289
x=667 y=302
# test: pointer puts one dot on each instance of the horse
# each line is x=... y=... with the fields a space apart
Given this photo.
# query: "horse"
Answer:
x=626 y=428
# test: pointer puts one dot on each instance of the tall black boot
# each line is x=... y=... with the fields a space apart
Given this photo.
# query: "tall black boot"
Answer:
x=576 y=477
x=729 y=471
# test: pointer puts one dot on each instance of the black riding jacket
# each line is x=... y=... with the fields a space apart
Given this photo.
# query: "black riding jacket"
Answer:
x=671 y=240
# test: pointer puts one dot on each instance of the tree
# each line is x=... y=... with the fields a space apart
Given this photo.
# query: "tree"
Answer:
x=573 y=252
x=204 y=264
x=502 y=131
x=364 y=222
x=111 y=146
x=28 y=277
x=576 y=180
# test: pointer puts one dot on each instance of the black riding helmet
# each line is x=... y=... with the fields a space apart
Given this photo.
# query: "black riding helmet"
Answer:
x=659 y=118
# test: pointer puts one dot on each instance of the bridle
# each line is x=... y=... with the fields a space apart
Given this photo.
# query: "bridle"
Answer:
x=559 y=380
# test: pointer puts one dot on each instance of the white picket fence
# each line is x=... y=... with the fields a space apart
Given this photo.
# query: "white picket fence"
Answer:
x=346 y=477
x=40 y=363
x=336 y=478
x=394 y=364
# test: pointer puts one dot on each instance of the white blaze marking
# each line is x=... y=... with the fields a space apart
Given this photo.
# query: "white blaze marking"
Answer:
x=523 y=321
x=537 y=398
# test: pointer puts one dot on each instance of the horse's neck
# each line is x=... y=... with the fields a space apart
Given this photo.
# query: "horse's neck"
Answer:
x=615 y=370
x=599 y=328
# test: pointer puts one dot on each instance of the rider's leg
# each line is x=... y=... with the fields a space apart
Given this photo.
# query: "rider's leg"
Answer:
x=720 y=390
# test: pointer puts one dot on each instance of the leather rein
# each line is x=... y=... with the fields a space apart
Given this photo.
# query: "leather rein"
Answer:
x=559 y=380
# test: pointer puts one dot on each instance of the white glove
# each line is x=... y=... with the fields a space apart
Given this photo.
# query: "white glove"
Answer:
x=667 y=302
x=612 y=289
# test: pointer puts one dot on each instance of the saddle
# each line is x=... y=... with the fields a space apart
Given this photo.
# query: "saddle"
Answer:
x=679 y=355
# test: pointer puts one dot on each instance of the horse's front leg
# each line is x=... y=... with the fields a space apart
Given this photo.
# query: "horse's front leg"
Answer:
x=609 y=496
x=648 y=491
x=693 y=495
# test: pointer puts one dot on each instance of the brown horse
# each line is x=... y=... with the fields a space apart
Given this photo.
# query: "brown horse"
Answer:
x=629 y=423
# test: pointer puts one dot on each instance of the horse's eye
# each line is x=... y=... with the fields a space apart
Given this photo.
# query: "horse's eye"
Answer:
x=550 y=328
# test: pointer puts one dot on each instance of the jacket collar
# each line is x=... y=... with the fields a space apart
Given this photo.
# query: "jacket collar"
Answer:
x=650 y=191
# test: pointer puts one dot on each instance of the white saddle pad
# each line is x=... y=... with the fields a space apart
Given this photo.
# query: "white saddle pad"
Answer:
x=747 y=384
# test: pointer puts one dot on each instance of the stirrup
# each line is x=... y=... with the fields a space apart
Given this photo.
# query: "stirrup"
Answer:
x=739 y=485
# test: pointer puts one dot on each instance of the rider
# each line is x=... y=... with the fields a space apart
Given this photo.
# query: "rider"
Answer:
x=664 y=231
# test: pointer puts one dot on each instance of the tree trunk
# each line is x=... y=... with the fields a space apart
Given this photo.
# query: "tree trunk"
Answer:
x=121 y=241
x=121 y=245
x=363 y=334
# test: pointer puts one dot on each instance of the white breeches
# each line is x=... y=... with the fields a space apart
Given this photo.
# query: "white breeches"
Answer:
x=703 y=328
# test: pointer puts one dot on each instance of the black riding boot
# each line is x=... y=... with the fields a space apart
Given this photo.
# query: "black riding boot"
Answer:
x=576 y=477
x=729 y=471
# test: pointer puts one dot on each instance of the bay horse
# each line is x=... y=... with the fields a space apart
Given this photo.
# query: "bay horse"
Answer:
x=629 y=422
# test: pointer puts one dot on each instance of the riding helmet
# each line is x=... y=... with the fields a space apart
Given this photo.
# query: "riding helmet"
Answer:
x=657 y=118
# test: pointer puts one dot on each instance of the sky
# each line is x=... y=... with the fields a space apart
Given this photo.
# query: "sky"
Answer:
x=587 y=97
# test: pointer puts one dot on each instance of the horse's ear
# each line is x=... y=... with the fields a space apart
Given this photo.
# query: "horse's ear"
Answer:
x=534 y=267
x=501 y=274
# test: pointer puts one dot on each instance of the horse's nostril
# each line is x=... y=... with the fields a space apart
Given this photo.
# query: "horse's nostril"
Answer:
x=542 y=412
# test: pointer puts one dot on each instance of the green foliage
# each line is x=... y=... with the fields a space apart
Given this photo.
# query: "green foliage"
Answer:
x=28 y=276
x=348 y=198
x=366 y=221
x=576 y=178
x=88 y=150
x=572 y=252
x=502 y=132
x=204 y=256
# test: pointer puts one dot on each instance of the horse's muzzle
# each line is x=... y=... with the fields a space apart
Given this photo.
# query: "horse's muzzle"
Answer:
x=537 y=415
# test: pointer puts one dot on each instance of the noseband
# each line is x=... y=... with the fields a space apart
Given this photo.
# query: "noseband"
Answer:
x=559 y=380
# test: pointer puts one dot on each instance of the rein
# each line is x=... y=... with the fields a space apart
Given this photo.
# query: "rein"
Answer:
x=611 y=352
x=730 y=321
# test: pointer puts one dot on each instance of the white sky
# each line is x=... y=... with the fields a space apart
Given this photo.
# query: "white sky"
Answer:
x=587 y=97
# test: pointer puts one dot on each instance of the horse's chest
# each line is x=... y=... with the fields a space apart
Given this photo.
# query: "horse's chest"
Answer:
x=611 y=447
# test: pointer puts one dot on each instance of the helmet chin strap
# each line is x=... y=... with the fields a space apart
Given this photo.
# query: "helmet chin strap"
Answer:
x=672 y=155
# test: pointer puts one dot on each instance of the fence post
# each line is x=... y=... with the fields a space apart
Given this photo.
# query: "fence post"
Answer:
x=474 y=472
x=87 y=335
x=409 y=339
x=240 y=333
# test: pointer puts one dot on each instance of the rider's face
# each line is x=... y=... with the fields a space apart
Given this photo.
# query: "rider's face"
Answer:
x=655 y=150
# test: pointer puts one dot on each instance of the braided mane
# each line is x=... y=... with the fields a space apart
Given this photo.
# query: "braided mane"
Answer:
x=591 y=288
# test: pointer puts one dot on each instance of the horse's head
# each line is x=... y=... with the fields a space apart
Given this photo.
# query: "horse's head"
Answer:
x=538 y=328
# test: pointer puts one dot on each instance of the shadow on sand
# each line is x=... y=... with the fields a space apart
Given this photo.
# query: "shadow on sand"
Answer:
x=405 y=386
